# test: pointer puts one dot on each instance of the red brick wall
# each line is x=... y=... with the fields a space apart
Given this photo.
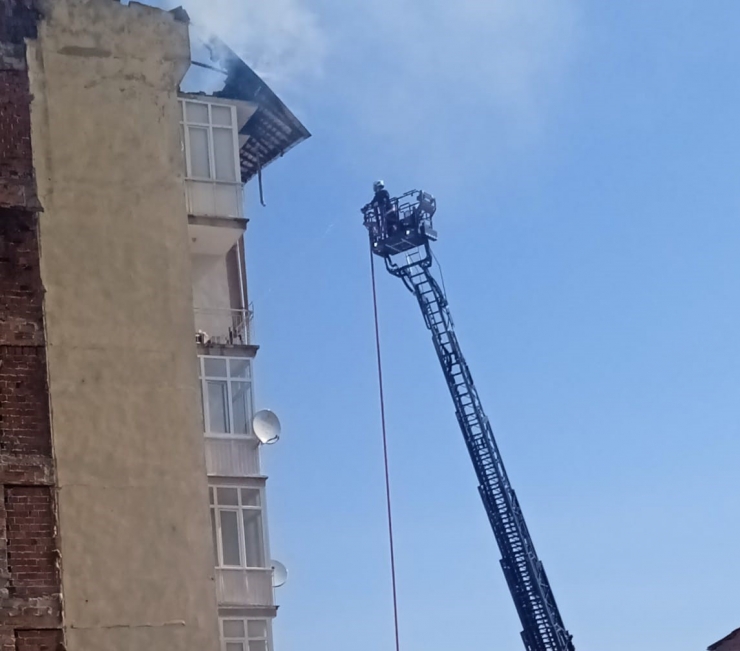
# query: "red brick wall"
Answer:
x=30 y=603
x=38 y=640
x=18 y=21
x=29 y=524
x=24 y=419
x=21 y=292
x=16 y=170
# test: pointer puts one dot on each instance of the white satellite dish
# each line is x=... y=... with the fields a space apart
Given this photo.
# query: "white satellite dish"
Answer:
x=266 y=426
x=279 y=574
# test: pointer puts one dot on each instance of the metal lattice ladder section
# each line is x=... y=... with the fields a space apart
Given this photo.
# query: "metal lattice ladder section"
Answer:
x=543 y=629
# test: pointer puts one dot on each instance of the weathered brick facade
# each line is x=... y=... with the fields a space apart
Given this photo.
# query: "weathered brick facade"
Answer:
x=18 y=21
x=30 y=604
x=38 y=640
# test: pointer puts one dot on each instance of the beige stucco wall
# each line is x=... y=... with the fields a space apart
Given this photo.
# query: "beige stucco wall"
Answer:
x=137 y=567
x=211 y=282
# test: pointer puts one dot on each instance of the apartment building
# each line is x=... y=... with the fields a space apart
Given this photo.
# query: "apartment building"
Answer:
x=133 y=510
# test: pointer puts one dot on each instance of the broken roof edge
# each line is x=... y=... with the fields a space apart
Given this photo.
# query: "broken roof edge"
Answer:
x=178 y=13
x=235 y=65
x=727 y=638
x=273 y=130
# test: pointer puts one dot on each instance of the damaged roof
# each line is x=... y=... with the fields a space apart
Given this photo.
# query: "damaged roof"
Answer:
x=273 y=129
x=727 y=638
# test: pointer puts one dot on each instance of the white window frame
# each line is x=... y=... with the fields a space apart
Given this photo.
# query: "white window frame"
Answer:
x=209 y=126
x=244 y=641
x=217 y=509
x=230 y=381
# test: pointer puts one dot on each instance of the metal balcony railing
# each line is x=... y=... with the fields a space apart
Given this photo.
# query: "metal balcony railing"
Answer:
x=244 y=587
x=223 y=326
x=211 y=198
x=230 y=455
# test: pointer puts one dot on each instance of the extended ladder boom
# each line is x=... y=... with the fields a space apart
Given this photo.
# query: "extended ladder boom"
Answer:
x=543 y=628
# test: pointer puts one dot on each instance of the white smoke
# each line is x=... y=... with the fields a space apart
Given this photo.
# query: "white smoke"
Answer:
x=281 y=40
x=507 y=55
x=445 y=90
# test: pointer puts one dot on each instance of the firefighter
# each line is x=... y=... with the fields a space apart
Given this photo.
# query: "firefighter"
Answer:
x=384 y=208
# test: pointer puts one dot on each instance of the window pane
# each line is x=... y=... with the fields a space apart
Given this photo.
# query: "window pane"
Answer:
x=215 y=537
x=240 y=407
x=253 y=540
x=257 y=645
x=202 y=406
x=257 y=628
x=214 y=367
x=234 y=628
x=200 y=160
x=235 y=646
x=217 y=407
x=210 y=495
x=182 y=149
x=250 y=497
x=221 y=115
x=227 y=497
x=239 y=368
x=223 y=150
x=230 y=538
x=197 y=112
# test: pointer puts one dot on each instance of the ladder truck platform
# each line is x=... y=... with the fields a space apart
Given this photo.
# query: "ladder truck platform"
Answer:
x=401 y=235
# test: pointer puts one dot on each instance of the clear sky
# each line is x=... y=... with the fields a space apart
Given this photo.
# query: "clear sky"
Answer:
x=585 y=159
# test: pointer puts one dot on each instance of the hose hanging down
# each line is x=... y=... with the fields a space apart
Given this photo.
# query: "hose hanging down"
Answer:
x=385 y=456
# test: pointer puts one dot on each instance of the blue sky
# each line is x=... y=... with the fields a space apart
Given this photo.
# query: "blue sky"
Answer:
x=585 y=159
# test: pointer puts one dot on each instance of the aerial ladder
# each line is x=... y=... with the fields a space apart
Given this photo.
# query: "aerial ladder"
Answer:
x=401 y=234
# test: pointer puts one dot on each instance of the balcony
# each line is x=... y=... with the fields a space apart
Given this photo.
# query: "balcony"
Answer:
x=223 y=326
x=214 y=198
x=214 y=235
x=244 y=587
x=229 y=455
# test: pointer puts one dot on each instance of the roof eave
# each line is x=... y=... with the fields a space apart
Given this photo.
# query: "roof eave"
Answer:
x=727 y=638
x=273 y=130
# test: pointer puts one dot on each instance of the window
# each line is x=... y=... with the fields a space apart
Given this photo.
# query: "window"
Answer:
x=226 y=390
x=211 y=142
x=238 y=532
x=245 y=635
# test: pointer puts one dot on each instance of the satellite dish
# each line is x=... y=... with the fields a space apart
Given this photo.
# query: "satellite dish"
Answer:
x=266 y=426
x=279 y=574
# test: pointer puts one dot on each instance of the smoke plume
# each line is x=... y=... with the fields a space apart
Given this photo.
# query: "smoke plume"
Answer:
x=280 y=39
